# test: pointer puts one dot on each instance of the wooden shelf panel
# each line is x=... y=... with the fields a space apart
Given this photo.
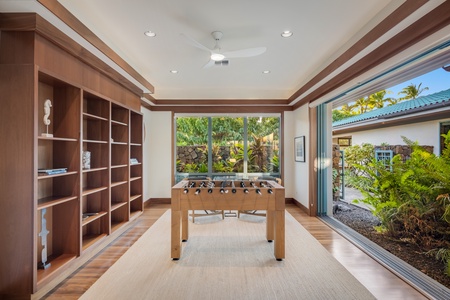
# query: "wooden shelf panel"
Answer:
x=134 y=197
x=52 y=201
x=94 y=217
x=88 y=191
x=56 y=175
x=114 y=122
x=136 y=164
x=119 y=143
x=62 y=139
x=95 y=141
x=94 y=169
x=56 y=264
x=91 y=239
x=94 y=117
x=119 y=166
x=115 y=206
x=135 y=144
x=117 y=183
x=135 y=178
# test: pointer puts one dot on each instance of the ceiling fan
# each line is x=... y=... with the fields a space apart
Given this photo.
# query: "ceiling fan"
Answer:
x=219 y=57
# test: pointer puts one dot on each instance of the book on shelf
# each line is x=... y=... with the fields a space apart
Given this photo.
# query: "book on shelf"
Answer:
x=52 y=171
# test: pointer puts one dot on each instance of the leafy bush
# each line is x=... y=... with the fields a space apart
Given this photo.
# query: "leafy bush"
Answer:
x=411 y=198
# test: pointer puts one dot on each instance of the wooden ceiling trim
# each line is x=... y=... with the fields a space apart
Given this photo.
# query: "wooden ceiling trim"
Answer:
x=384 y=26
x=149 y=98
x=432 y=22
x=34 y=22
x=220 y=102
x=222 y=109
x=18 y=21
x=62 y=13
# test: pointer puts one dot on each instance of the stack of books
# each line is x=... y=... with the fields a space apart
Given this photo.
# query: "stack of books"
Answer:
x=52 y=171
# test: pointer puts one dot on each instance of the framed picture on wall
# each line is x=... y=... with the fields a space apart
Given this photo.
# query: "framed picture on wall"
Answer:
x=299 y=148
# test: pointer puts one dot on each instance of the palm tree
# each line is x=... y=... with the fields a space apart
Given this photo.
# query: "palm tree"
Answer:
x=377 y=99
x=362 y=105
x=412 y=91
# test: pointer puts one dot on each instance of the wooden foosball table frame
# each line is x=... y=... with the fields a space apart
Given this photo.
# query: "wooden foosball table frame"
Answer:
x=228 y=195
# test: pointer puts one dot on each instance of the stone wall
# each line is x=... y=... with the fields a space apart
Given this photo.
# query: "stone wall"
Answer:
x=337 y=179
x=197 y=154
x=403 y=150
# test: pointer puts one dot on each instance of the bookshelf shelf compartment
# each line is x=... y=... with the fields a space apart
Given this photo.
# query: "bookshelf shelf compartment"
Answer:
x=94 y=217
x=134 y=197
x=115 y=206
x=89 y=191
x=52 y=201
x=117 y=183
x=90 y=240
x=57 y=263
x=94 y=117
x=61 y=139
x=118 y=166
x=94 y=169
x=42 y=176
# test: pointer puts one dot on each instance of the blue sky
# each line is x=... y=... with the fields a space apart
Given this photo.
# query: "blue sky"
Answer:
x=436 y=81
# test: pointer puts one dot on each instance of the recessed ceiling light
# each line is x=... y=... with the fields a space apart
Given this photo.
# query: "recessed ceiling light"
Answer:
x=150 y=33
x=173 y=71
x=286 y=33
x=266 y=72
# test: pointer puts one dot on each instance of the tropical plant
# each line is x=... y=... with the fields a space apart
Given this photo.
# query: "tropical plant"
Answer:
x=412 y=91
x=275 y=163
x=411 y=198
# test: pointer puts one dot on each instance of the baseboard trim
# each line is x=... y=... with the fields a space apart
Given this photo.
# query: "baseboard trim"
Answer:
x=301 y=206
x=158 y=201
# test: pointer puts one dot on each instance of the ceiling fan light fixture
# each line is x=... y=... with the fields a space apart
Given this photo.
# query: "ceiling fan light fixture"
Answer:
x=217 y=56
x=266 y=71
x=286 y=33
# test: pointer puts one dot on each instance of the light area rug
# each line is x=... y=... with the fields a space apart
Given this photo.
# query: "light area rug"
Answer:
x=227 y=259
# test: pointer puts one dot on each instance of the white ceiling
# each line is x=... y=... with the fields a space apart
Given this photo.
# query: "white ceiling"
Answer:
x=323 y=29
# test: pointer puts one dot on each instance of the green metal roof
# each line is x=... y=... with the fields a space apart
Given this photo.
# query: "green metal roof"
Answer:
x=405 y=107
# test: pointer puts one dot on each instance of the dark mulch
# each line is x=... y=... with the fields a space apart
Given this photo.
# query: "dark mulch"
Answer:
x=362 y=221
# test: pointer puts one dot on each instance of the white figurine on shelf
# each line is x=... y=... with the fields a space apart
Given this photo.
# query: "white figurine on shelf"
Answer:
x=47 y=105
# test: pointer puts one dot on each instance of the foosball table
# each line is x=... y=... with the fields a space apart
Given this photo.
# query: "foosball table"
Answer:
x=241 y=195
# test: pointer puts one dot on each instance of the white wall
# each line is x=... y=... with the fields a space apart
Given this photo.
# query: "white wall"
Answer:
x=288 y=164
x=425 y=133
x=157 y=154
x=297 y=125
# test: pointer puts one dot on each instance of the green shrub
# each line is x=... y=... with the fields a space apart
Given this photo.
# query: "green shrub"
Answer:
x=411 y=198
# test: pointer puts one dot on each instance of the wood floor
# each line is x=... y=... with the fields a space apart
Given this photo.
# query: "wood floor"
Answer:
x=378 y=280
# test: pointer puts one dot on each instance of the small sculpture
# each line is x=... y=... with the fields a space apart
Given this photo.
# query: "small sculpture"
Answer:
x=47 y=105
x=43 y=234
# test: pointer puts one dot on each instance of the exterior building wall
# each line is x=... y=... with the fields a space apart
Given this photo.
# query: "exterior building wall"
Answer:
x=425 y=133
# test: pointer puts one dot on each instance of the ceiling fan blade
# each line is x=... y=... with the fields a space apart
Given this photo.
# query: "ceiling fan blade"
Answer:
x=195 y=43
x=245 y=52
x=209 y=64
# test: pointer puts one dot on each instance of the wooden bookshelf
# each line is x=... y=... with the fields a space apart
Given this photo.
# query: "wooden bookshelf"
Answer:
x=62 y=219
